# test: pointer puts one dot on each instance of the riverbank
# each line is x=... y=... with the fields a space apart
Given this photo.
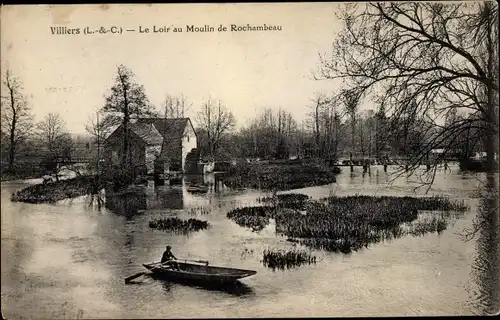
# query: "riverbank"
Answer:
x=285 y=176
x=56 y=191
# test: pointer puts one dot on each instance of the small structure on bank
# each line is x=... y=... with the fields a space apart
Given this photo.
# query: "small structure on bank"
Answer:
x=158 y=146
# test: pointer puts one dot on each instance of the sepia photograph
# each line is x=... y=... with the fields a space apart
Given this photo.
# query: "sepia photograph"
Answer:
x=244 y=160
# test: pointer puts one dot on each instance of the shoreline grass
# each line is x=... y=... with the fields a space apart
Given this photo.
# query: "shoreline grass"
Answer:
x=56 y=191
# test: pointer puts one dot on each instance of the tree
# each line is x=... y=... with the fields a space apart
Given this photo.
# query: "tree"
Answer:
x=51 y=129
x=55 y=140
x=100 y=127
x=320 y=122
x=216 y=120
x=381 y=131
x=437 y=56
x=175 y=107
x=428 y=58
x=350 y=99
x=16 y=115
x=271 y=134
x=126 y=100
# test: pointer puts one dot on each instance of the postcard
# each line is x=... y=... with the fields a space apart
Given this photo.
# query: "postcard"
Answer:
x=249 y=160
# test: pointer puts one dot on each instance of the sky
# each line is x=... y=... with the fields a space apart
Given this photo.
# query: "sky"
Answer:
x=246 y=71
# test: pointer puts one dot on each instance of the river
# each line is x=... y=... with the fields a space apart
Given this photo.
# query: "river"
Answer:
x=69 y=260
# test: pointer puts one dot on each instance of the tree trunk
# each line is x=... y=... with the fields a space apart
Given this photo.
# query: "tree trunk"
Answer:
x=353 y=133
x=317 y=128
x=492 y=227
x=12 y=147
x=125 y=140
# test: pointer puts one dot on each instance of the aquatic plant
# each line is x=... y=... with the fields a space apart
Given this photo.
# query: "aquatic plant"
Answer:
x=295 y=201
x=199 y=211
x=252 y=217
x=347 y=224
x=178 y=225
x=427 y=225
x=282 y=259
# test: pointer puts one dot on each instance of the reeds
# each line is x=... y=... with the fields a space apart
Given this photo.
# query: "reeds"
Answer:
x=347 y=224
x=295 y=201
x=199 y=211
x=252 y=217
x=428 y=225
x=282 y=259
x=178 y=225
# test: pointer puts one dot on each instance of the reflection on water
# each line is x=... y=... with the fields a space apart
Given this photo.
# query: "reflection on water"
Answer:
x=127 y=204
x=236 y=289
x=64 y=259
x=486 y=267
x=172 y=195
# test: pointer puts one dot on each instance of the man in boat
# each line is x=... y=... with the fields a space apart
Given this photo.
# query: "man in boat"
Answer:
x=168 y=258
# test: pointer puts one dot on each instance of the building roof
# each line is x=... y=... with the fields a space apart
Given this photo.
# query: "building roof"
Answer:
x=147 y=132
x=172 y=127
x=154 y=130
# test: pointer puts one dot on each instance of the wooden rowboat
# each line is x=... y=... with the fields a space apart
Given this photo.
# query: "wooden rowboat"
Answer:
x=201 y=273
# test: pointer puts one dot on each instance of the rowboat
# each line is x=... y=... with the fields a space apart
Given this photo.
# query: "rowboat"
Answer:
x=202 y=273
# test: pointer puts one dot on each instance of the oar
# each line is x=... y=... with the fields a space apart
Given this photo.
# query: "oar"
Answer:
x=199 y=261
x=137 y=275
x=132 y=277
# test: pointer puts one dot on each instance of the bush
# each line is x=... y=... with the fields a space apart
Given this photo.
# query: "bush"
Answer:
x=279 y=177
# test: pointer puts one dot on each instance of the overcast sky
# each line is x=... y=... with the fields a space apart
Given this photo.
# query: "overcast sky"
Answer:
x=247 y=71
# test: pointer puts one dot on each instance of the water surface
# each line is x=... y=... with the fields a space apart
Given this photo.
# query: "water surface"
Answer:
x=69 y=260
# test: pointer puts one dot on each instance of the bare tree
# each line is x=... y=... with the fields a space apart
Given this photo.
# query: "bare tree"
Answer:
x=351 y=98
x=100 y=127
x=435 y=55
x=320 y=107
x=216 y=120
x=175 y=107
x=50 y=131
x=56 y=140
x=428 y=58
x=16 y=115
x=127 y=100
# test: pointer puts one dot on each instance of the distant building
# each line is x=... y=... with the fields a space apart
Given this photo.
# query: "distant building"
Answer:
x=437 y=151
x=156 y=143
